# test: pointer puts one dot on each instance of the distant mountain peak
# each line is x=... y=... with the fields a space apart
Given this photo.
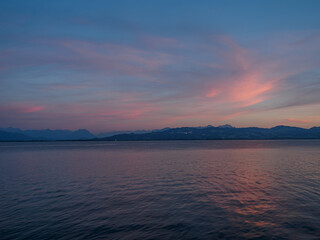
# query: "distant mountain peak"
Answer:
x=82 y=131
x=226 y=126
x=284 y=127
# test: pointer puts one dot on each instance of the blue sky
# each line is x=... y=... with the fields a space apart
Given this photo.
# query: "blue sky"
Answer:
x=118 y=65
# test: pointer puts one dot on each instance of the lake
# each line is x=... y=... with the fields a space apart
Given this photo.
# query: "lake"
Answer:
x=266 y=189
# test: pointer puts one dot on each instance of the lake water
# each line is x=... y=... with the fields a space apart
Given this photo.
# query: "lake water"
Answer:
x=160 y=190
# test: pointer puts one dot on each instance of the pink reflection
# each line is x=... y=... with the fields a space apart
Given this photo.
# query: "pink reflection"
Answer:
x=241 y=189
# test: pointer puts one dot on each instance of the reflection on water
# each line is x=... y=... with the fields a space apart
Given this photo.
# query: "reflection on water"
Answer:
x=160 y=190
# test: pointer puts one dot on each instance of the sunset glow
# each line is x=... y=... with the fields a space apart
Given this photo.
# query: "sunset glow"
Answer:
x=115 y=68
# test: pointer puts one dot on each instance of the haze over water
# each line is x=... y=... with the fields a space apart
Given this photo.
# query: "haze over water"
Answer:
x=160 y=190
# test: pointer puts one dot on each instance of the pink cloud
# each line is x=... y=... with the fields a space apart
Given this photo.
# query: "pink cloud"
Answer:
x=297 y=120
x=250 y=82
x=33 y=109
x=21 y=108
x=212 y=93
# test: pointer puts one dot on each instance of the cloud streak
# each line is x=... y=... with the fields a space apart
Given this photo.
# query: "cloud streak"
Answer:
x=130 y=76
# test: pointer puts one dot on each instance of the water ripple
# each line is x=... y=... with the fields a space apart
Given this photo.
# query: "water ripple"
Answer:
x=160 y=190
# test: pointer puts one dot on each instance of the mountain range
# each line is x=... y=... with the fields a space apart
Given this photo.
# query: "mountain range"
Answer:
x=109 y=134
x=221 y=132
x=16 y=134
x=182 y=133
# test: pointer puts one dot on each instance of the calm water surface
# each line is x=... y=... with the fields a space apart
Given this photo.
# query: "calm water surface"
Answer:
x=160 y=190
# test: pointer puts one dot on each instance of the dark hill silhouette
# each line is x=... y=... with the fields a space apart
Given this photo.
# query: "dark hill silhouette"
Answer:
x=12 y=136
x=109 y=134
x=222 y=132
x=183 y=133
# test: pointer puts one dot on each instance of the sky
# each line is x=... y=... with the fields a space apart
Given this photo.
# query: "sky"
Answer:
x=128 y=65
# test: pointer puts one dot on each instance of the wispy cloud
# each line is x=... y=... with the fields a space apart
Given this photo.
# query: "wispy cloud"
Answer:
x=161 y=80
x=292 y=120
x=20 y=108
